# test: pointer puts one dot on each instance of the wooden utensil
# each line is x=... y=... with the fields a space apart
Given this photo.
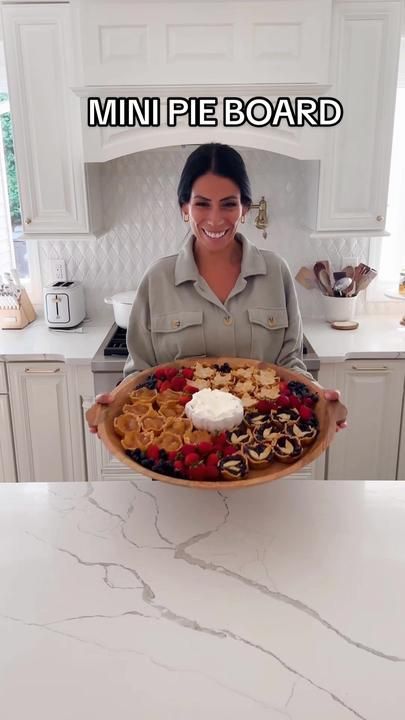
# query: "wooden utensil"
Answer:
x=305 y=276
x=322 y=278
x=326 y=412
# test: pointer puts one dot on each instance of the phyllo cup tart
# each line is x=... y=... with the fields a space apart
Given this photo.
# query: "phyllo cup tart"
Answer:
x=266 y=433
x=287 y=449
x=233 y=467
x=143 y=395
x=137 y=408
x=259 y=454
x=171 y=409
x=155 y=422
x=178 y=425
x=137 y=440
x=284 y=417
x=305 y=431
x=170 y=442
x=125 y=423
x=240 y=435
x=255 y=418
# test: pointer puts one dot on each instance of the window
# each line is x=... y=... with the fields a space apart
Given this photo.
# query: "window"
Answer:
x=388 y=254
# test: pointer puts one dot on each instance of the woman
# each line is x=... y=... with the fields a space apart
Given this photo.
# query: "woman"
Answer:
x=220 y=295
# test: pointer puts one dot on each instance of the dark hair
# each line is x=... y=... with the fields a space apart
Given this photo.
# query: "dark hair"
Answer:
x=219 y=159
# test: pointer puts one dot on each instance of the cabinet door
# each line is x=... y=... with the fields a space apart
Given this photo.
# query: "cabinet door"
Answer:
x=355 y=171
x=40 y=415
x=7 y=460
x=46 y=117
x=368 y=449
x=401 y=455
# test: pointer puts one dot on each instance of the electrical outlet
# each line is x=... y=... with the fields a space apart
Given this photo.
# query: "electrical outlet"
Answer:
x=58 y=268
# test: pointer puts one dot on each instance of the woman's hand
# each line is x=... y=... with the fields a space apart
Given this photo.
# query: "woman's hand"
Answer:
x=333 y=396
x=103 y=399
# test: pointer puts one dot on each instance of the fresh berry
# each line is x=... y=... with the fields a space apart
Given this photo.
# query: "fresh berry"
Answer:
x=197 y=472
x=220 y=439
x=171 y=455
x=295 y=402
x=188 y=448
x=178 y=383
x=166 y=385
x=283 y=401
x=264 y=406
x=305 y=412
x=184 y=399
x=308 y=401
x=178 y=465
x=284 y=389
x=160 y=373
x=191 y=458
x=204 y=448
x=188 y=373
x=211 y=472
x=229 y=450
x=212 y=459
x=171 y=373
x=153 y=452
x=191 y=389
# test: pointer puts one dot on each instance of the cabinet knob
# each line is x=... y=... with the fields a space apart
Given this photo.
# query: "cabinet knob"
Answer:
x=28 y=221
x=380 y=218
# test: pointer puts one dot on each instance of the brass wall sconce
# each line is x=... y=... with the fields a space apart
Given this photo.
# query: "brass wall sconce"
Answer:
x=261 y=220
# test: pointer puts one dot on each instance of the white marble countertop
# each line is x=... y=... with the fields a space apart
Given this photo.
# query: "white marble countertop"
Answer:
x=378 y=336
x=124 y=600
x=38 y=342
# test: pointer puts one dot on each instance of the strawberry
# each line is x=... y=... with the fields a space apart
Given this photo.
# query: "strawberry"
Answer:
x=188 y=373
x=204 y=448
x=197 y=472
x=305 y=412
x=211 y=472
x=178 y=383
x=264 y=406
x=191 y=458
x=184 y=399
x=212 y=459
x=171 y=372
x=152 y=452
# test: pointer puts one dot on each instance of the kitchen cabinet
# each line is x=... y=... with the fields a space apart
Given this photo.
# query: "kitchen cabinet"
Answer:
x=401 y=454
x=7 y=460
x=41 y=421
x=39 y=48
x=354 y=172
x=373 y=392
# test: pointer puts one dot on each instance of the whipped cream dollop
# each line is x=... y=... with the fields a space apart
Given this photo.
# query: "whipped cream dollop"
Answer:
x=214 y=410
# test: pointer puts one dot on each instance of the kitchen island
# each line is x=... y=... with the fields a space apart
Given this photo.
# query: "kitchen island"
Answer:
x=143 y=600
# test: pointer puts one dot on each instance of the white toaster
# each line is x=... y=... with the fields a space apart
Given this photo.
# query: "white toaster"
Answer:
x=64 y=304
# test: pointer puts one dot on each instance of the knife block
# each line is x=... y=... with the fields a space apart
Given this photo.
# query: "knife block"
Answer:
x=17 y=318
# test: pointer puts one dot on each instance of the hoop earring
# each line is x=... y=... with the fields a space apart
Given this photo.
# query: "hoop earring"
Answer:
x=242 y=219
x=186 y=217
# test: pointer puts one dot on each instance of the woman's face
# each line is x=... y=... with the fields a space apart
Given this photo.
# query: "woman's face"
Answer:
x=215 y=210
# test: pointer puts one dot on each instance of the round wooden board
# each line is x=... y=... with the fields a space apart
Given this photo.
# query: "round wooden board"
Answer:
x=325 y=411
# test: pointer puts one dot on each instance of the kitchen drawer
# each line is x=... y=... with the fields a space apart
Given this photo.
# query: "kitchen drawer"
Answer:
x=3 y=380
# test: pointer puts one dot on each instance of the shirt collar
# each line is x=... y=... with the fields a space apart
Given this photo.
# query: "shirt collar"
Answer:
x=186 y=269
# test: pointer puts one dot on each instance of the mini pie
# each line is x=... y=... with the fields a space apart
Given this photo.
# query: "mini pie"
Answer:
x=167 y=396
x=255 y=418
x=143 y=395
x=170 y=442
x=171 y=409
x=203 y=371
x=267 y=377
x=178 y=425
x=270 y=392
x=240 y=435
x=243 y=386
x=134 y=439
x=124 y=423
x=200 y=383
x=266 y=433
x=306 y=432
x=137 y=408
x=287 y=449
x=285 y=417
x=153 y=422
x=233 y=467
x=248 y=401
x=244 y=373
x=197 y=436
x=259 y=454
x=221 y=381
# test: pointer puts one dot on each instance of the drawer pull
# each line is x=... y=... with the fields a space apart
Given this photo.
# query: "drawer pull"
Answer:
x=42 y=372
x=383 y=368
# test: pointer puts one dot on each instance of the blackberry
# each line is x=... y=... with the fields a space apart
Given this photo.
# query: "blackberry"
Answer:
x=147 y=463
x=225 y=368
x=163 y=454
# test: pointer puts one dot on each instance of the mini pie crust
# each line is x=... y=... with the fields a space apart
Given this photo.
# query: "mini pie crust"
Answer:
x=179 y=425
x=167 y=396
x=124 y=423
x=240 y=435
x=197 y=436
x=305 y=432
x=256 y=418
x=171 y=409
x=133 y=440
x=137 y=408
x=203 y=371
x=287 y=443
x=143 y=395
x=156 y=423
x=259 y=454
x=170 y=442
x=266 y=433
x=233 y=467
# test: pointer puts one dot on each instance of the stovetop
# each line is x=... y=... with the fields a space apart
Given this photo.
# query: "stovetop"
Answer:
x=113 y=352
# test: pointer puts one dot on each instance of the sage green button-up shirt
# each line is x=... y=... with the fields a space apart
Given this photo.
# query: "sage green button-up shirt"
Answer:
x=176 y=314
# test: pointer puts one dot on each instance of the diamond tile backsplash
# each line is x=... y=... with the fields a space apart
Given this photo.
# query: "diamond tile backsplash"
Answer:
x=143 y=222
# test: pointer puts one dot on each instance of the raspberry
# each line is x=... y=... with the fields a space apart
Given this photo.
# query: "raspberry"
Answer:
x=283 y=401
x=166 y=385
x=211 y=472
x=204 y=448
x=171 y=456
x=229 y=450
x=187 y=373
x=171 y=372
x=264 y=406
x=295 y=402
x=191 y=458
x=178 y=383
x=160 y=373
x=305 y=412
x=190 y=389
x=308 y=401
x=179 y=465
x=152 y=452
x=184 y=399
x=284 y=389
x=212 y=459
x=197 y=472
x=220 y=439
x=188 y=448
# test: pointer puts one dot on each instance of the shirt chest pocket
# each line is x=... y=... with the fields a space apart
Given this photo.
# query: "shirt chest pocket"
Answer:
x=268 y=326
x=178 y=335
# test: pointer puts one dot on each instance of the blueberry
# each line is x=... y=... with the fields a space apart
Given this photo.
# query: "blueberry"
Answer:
x=147 y=463
x=163 y=454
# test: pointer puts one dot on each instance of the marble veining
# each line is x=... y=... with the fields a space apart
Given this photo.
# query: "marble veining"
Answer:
x=139 y=599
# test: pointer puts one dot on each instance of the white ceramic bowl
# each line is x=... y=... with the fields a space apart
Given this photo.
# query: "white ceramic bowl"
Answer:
x=122 y=304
